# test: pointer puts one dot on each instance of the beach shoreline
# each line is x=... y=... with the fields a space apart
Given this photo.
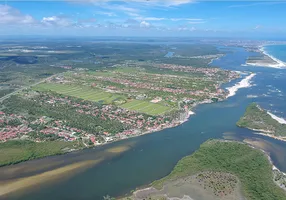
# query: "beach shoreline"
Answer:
x=278 y=64
x=278 y=119
x=265 y=133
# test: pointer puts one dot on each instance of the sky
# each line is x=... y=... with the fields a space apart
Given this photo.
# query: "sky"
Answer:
x=143 y=18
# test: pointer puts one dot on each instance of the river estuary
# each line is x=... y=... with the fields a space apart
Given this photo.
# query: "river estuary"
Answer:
x=116 y=169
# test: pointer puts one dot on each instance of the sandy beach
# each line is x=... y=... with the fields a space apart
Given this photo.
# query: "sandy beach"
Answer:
x=268 y=61
x=280 y=64
x=278 y=119
x=244 y=83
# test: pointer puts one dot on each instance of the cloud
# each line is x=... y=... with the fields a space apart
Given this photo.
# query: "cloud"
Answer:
x=57 y=21
x=153 y=18
x=257 y=27
x=109 y=14
x=196 y=22
x=145 y=24
x=255 y=4
x=149 y=2
x=185 y=19
x=12 y=16
x=131 y=21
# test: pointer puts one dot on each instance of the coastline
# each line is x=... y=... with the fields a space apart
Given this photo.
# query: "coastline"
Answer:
x=150 y=187
x=244 y=83
x=266 y=133
x=274 y=168
x=172 y=125
x=278 y=63
x=278 y=119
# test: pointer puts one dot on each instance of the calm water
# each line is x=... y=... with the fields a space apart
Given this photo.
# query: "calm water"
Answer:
x=278 y=51
x=153 y=156
x=169 y=55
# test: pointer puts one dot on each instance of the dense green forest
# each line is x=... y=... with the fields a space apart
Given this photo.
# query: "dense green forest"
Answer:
x=250 y=165
x=258 y=118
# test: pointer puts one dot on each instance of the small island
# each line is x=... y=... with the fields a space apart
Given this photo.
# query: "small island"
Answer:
x=258 y=119
x=220 y=169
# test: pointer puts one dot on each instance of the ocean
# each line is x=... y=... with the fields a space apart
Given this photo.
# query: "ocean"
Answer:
x=153 y=156
x=277 y=51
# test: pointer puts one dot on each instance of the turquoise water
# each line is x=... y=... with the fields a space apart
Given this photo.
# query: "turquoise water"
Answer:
x=154 y=155
x=278 y=51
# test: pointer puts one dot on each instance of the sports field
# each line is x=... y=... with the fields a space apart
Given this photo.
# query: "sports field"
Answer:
x=82 y=92
x=146 y=107
x=92 y=94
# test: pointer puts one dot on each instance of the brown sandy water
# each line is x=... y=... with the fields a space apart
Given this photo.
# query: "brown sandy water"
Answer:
x=19 y=179
x=14 y=185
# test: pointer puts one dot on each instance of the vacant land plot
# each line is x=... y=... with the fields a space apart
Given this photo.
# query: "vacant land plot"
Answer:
x=146 y=107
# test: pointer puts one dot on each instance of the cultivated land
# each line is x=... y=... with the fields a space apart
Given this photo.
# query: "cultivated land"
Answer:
x=72 y=95
x=256 y=118
x=218 y=170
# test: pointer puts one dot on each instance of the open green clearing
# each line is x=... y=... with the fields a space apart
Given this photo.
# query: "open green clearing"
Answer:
x=146 y=107
x=83 y=92
x=97 y=95
x=250 y=165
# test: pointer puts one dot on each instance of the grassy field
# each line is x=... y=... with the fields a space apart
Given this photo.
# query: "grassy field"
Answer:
x=146 y=107
x=16 y=151
x=250 y=165
x=82 y=92
x=97 y=95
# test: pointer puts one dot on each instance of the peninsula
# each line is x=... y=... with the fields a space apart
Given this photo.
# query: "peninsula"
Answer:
x=219 y=169
x=263 y=122
x=264 y=59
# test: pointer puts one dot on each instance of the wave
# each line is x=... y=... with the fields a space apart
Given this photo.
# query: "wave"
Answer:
x=244 y=83
x=279 y=63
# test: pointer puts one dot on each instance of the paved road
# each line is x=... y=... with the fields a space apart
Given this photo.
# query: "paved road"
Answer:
x=23 y=88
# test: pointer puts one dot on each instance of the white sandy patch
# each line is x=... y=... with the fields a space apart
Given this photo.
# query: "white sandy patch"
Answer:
x=244 y=83
x=191 y=112
x=278 y=119
x=251 y=96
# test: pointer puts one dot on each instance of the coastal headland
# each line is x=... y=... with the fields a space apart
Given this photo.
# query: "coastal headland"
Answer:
x=219 y=169
x=263 y=122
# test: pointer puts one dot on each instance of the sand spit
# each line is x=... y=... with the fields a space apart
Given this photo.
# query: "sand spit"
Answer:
x=12 y=186
x=244 y=83
x=280 y=64
x=274 y=62
x=278 y=119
